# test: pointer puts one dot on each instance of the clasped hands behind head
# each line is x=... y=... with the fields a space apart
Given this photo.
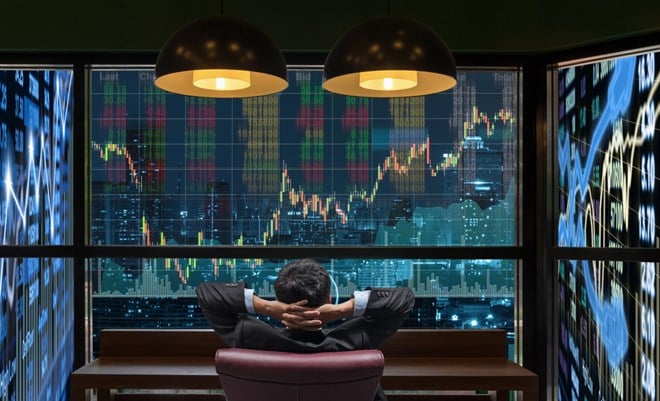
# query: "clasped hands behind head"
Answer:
x=299 y=316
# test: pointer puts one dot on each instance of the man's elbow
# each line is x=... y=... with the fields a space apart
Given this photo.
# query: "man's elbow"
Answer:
x=410 y=300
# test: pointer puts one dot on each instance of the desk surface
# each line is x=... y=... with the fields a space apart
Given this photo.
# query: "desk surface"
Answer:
x=458 y=374
x=401 y=373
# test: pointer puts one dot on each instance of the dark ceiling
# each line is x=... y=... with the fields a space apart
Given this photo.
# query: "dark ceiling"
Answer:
x=524 y=26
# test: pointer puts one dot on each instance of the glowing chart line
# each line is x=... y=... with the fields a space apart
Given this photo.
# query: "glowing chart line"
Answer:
x=395 y=162
x=608 y=314
x=290 y=195
x=18 y=194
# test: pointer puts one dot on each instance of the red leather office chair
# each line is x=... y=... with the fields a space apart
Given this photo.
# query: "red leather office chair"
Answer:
x=253 y=375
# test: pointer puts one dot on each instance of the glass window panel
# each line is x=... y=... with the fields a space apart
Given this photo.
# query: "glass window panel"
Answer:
x=157 y=293
x=36 y=124
x=607 y=118
x=608 y=329
x=36 y=328
x=304 y=167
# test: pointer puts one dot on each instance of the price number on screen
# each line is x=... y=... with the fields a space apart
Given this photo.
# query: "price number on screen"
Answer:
x=19 y=77
x=19 y=140
x=646 y=215
x=3 y=136
x=648 y=120
x=646 y=71
x=3 y=97
x=648 y=278
x=646 y=219
x=648 y=328
x=648 y=325
x=648 y=172
x=648 y=377
x=18 y=106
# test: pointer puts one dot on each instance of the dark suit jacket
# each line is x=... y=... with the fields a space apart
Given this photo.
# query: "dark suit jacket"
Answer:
x=223 y=305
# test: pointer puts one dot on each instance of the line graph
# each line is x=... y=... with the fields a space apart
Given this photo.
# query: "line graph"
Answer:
x=291 y=195
x=608 y=314
x=606 y=152
x=36 y=312
x=35 y=179
x=377 y=157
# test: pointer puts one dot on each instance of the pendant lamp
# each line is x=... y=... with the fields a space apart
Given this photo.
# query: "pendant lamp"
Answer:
x=220 y=57
x=389 y=57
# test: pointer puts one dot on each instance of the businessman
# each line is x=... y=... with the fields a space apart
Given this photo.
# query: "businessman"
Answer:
x=302 y=304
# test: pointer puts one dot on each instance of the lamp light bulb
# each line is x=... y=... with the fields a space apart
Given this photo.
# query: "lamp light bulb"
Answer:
x=388 y=80
x=221 y=80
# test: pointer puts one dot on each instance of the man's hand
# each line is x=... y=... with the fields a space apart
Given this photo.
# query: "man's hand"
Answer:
x=276 y=309
x=303 y=318
x=299 y=317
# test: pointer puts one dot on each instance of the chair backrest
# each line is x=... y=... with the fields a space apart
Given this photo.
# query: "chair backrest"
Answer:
x=255 y=375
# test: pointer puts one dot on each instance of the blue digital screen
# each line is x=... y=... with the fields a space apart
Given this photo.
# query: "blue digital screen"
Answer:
x=607 y=119
x=307 y=168
x=35 y=132
x=36 y=294
x=304 y=167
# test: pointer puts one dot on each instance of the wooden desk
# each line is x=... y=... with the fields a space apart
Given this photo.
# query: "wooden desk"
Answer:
x=109 y=373
x=471 y=373
x=414 y=360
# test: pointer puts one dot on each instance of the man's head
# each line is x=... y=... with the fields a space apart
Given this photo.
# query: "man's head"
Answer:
x=303 y=279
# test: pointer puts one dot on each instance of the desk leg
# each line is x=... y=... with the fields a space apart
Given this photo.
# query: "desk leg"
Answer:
x=103 y=394
x=78 y=392
x=502 y=395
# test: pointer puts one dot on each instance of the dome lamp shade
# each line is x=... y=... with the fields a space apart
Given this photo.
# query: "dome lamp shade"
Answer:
x=220 y=57
x=389 y=57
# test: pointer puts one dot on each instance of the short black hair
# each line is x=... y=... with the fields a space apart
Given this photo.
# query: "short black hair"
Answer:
x=304 y=279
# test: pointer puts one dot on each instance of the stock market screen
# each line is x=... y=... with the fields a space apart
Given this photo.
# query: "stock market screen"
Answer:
x=607 y=114
x=36 y=318
x=304 y=168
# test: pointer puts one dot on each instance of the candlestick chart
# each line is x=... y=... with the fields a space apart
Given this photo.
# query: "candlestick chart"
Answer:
x=304 y=167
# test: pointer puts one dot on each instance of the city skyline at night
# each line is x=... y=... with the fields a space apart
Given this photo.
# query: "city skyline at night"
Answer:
x=305 y=168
